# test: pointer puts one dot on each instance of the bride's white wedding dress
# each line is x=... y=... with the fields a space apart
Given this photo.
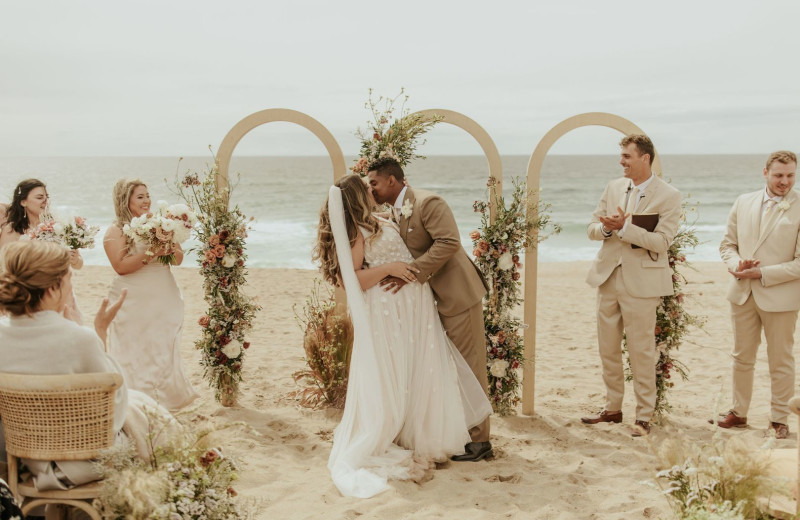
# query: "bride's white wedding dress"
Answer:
x=145 y=336
x=410 y=393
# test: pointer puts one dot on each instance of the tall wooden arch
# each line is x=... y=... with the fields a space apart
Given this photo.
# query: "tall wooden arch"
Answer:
x=484 y=140
x=271 y=115
x=531 y=253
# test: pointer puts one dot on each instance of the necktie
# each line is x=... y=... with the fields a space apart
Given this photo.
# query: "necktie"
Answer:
x=766 y=214
x=632 y=201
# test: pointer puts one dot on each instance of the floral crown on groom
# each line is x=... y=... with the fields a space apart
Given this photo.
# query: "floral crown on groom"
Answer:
x=384 y=138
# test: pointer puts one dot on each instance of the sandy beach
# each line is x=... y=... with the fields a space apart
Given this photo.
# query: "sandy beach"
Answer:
x=547 y=466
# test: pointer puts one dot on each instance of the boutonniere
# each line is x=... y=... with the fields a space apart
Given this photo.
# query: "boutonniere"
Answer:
x=407 y=209
x=783 y=205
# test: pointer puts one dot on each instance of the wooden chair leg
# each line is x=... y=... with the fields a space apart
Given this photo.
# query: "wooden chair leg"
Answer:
x=13 y=477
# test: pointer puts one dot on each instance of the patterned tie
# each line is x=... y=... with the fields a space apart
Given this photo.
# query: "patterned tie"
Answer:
x=765 y=215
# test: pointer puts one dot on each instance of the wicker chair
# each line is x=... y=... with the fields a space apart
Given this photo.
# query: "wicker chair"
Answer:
x=56 y=417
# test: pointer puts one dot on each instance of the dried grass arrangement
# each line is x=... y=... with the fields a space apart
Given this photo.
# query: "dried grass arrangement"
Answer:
x=726 y=479
x=328 y=343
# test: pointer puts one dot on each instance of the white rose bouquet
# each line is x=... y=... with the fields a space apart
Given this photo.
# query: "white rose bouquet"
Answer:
x=72 y=233
x=162 y=230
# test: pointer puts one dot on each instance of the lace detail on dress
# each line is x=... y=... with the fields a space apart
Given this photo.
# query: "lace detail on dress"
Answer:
x=387 y=247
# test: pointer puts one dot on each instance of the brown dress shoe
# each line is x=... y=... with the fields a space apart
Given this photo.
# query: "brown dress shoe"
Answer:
x=781 y=430
x=640 y=429
x=731 y=421
x=604 y=416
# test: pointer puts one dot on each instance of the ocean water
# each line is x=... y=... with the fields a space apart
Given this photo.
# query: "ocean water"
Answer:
x=284 y=194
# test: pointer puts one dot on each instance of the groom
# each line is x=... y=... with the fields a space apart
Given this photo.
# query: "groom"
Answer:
x=762 y=251
x=429 y=230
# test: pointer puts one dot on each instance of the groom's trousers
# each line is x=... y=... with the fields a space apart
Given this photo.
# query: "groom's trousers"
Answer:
x=748 y=320
x=467 y=332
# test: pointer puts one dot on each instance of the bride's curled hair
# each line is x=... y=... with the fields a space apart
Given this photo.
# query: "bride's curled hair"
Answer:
x=123 y=190
x=358 y=206
x=27 y=271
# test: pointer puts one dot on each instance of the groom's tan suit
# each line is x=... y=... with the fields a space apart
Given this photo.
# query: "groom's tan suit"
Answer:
x=629 y=284
x=431 y=234
x=771 y=302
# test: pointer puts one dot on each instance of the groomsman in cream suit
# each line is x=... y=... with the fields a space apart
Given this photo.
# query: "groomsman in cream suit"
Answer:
x=630 y=281
x=429 y=230
x=762 y=252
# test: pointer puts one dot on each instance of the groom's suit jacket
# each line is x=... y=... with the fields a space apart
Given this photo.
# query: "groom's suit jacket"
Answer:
x=644 y=275
x=778 y=249
x=432 y=237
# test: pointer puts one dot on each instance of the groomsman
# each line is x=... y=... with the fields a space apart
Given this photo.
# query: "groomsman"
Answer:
x=762 y=252
x=631 y=280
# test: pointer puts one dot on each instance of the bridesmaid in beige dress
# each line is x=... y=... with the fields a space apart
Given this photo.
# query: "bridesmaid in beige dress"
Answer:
x=145 y=336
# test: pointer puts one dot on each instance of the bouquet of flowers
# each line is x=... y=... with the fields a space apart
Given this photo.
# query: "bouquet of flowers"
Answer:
x=72 y=232
x=169 y=225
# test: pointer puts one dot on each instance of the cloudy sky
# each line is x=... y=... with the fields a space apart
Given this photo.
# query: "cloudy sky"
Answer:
x=170 y=78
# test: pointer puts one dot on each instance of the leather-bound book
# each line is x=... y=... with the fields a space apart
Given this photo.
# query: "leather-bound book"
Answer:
x=647 y=221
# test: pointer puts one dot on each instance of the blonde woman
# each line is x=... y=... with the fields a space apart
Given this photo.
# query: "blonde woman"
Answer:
x=411 y=397
x=145 y=337
x=38 y=339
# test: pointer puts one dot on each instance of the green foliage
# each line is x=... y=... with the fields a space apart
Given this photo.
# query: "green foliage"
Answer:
x=498 y=248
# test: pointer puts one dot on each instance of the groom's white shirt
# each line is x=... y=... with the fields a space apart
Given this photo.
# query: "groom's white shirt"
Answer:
x=398 y=203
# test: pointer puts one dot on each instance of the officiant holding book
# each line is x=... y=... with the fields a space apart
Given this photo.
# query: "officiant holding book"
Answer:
x=636 y=219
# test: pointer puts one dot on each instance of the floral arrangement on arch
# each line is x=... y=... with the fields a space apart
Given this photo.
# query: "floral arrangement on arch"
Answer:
x=673 y=321
x=385 y=137
x=221 y=255
x=498 y=249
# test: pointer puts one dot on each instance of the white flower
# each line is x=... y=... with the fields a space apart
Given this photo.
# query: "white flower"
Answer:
x=162 y=205
x=58 y=228
x=499 y=367
x=233 y=349
x=783 y=205
x=168 y=224
x=228 y=261
x=505 y=262
x=407 y=209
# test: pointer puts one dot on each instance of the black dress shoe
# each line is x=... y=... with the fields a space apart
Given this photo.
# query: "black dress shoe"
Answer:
x=475 y=451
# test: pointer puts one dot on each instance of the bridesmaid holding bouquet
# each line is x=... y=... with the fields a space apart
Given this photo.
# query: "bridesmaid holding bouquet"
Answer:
x=145 y=336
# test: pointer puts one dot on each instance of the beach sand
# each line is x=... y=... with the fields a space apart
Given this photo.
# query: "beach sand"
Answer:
x=546 y=466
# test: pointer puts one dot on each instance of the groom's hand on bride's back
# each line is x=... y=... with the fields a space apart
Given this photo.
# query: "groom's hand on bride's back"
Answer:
x=392 y=284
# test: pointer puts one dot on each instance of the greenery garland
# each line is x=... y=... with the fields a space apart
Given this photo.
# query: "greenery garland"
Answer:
x=673 y=321
x=498 y=249
x=221 y=232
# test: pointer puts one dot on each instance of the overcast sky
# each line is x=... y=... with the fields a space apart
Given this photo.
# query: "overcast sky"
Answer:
x=86 y=78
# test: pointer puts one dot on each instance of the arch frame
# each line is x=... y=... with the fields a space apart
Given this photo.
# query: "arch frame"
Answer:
x=533 y=176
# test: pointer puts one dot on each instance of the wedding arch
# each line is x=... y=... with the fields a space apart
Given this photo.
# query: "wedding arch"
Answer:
x=484 y=140
x=531 y=254
x=271 y=115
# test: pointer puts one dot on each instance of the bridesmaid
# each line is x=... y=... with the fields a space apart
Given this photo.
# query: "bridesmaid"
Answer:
x=28 y=204
x=145 y=337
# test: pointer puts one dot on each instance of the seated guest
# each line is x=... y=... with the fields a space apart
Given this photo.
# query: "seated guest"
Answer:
x=39 y=338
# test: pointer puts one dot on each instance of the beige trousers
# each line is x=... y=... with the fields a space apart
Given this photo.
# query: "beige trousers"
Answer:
x=466 y=331
x=617 y=311
x=748 y=320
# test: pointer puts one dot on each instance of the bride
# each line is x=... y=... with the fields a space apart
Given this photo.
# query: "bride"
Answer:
x=411 y=398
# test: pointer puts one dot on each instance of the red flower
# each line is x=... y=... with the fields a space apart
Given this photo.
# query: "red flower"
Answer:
x=204 y=320
x=515 y=276
x=658 y=330
x=246 y=345
x=223 y=235
x=223 y=340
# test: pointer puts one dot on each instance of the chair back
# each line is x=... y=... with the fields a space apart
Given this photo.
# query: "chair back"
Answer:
x=58 y=417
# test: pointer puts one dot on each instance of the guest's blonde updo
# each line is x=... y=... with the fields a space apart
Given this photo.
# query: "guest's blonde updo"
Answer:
x=27 y=271
x=123 y=190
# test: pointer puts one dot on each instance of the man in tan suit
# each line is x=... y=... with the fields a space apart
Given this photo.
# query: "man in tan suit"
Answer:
x=429 y=230
x=630 y=281
x=762 y=251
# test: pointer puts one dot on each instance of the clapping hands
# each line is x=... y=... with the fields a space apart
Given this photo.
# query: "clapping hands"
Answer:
x=616 y=221
x=747 y=269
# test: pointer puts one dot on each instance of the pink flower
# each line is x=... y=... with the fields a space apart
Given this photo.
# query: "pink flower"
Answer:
x=483 y=246
x=475 y=235
x=204 y=320
x=476 y=252
x=211 y=258
x=213 y=241
x=219 y=251
x=80 y=221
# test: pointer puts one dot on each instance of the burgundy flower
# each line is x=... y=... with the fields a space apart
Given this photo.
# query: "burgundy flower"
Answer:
x=246 y=345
